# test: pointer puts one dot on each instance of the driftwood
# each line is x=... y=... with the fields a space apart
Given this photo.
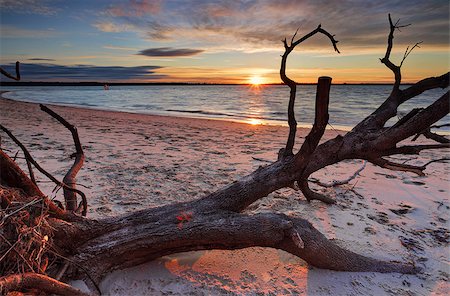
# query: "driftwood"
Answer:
x=7 y=74
x=86 y=248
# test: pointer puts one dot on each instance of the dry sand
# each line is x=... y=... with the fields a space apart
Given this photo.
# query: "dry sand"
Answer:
x=136 y=161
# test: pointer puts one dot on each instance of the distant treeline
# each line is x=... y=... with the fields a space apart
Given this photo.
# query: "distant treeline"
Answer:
x=42 y=83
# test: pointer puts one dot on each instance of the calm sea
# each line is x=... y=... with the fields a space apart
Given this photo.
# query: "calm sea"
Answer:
x=264 y=105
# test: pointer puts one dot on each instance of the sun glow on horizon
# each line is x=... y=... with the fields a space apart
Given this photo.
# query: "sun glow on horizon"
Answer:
x=256 y=80
x=255 y=121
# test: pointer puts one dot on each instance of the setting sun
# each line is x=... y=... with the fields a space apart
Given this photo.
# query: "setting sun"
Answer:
x=256 y=80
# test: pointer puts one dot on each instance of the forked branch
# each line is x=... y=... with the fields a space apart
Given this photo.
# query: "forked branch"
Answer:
x=386 y=59
x=293 y=85
x=70 y=178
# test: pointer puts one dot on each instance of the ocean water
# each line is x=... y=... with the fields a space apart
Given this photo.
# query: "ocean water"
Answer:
x=349 y=104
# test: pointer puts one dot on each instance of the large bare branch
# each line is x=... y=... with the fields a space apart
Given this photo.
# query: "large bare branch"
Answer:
x=418 y=122
x=320 y=121
x=293 y=85
x=424 y=85
x=216 y=230
x=70 y=177
x=313 y=138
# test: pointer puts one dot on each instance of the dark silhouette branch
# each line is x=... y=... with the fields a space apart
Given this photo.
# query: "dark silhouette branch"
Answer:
x=432 y=136
x=288 y=150
x=415 y=149
x=340 y=182
x=408 y=51
x=311 y=195
x=17 y=77
x=70 y=177
x=384 y=163
x=386 y=59
x=320 y=121
x=424 y=85
x=30 y=170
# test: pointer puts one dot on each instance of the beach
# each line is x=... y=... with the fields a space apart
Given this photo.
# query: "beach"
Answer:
x=135 y=161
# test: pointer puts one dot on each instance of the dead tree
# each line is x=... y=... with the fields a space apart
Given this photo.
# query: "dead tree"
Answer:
x=87 y=248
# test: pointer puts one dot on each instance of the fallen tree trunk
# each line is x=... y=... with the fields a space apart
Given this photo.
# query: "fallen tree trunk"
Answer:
x=86 y=248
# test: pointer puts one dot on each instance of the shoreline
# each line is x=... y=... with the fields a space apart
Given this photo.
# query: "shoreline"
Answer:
x=94 y=108
x=135 y=161
x=99 y=109
x=250 y=121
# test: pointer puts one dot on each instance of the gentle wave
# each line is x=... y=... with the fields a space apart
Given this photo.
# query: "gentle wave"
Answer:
x=349 y=104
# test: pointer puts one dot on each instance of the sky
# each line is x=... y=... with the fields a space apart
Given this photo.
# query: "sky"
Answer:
x=219 y=41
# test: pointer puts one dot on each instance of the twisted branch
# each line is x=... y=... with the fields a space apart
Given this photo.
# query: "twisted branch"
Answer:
x=70 y=177
x=293 y=85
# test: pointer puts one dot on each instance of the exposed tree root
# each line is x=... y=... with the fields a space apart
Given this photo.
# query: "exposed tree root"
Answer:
x=27 y=282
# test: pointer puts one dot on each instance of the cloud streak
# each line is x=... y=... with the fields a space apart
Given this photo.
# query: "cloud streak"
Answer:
x=53 y=72
x=8 y=31
x=28 y=7
x=41 y=59
x=264 y=23
x=169 y=52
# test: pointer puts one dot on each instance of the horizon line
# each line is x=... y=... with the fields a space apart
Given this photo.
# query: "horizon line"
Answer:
x=96 y=83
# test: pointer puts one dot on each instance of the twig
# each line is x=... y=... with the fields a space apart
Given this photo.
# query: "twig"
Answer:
x=408 y=52
x=261 y=159
x=341 y=182
x=30 y=170
x=18 y=253
x=9 y=250
x=21 y=208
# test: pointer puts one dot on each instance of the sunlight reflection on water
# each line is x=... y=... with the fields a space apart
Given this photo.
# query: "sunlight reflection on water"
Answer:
x=254 y=104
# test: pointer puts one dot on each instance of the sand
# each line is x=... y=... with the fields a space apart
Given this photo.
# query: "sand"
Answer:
x=135 y=161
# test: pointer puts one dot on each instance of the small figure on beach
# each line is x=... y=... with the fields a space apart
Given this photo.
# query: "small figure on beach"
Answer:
x=106 y=87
